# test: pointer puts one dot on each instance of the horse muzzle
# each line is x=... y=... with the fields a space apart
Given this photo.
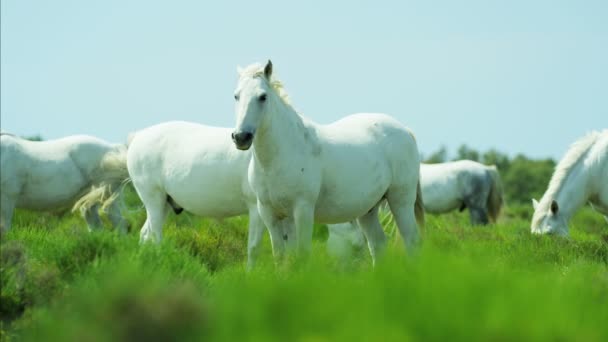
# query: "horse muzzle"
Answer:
x=242 y=140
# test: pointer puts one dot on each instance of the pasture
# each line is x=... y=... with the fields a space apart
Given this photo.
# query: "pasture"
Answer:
x=60 y=282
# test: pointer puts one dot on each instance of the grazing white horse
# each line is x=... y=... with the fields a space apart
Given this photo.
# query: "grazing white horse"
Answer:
x=445 y=187
x=303 y=172
x=55 y=174
x=186 y=166
x=462 y=184
x=580 y=177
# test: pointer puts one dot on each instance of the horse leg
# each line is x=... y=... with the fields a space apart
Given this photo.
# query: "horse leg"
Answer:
x=118 y=221
x=256 y=233
x=156 y=212
x=7 y=208
x=91 y=216
x=479 y=216
x=274 y=228
x=376 y=239
x=345 y=240
x=478 y=211
x=402 y=202
x=476 y=201
x=304 y=220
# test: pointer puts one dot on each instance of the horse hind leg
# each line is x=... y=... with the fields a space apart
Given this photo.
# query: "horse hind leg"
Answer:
x=402 y=201
x=157 y=209
x=7 y=208
x=91 y=216
x=376 y=239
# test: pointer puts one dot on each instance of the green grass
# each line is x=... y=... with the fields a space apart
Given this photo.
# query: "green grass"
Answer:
x=61 y=283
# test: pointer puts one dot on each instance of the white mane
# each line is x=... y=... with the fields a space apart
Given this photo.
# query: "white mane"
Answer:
x=257 y=70
x=574 y=154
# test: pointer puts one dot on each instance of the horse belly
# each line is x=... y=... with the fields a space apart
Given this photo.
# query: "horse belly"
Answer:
x=355 y=180
x=439 y=204
x=346 y=203
x=51 y=191
x=441 y=190
x=213 y=195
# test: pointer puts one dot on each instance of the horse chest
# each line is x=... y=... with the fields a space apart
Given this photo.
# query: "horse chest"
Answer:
x=280 y=189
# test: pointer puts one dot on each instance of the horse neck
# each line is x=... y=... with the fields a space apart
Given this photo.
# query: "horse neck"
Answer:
x=572 y=193
x=281 y=133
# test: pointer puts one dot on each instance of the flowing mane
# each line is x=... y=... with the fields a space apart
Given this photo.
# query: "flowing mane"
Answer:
x=257 y=70
x=574 y=154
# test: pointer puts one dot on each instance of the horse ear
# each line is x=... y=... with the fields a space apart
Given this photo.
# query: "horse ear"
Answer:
x=554 y=207
x=534 y=204
x=268 y=69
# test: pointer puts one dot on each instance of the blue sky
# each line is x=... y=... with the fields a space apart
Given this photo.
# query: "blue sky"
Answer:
x=519 y=76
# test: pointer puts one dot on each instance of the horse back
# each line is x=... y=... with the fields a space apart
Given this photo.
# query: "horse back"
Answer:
x=49 y=174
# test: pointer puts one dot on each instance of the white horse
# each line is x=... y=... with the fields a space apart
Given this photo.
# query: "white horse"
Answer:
x=462 y=184
x=580 y=177
x=303 y=172
x=55 y=174
x=445 y=187
x=187 y=166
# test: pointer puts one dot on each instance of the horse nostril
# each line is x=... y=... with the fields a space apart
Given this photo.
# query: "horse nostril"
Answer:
x=232 y=135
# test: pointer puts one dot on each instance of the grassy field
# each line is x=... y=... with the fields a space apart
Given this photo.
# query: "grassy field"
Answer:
x=60 y=283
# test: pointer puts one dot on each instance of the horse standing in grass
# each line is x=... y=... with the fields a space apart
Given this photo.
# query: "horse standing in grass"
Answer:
x=186 y=166
x=445 y=187
x=303 y=172
x=462 y=184
x=57 y=174
x=580 y=177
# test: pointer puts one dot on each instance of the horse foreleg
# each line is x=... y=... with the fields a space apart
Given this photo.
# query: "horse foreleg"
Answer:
x=91 y=216
x=273 y=225
x=303 y=215
x=256 y=233
x=7 y=208
x=376 y=239
x=479 y=216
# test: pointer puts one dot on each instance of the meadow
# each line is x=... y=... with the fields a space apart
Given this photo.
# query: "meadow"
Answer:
x=61 y=283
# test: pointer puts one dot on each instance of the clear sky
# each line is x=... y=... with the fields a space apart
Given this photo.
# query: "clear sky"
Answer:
x=519 y=76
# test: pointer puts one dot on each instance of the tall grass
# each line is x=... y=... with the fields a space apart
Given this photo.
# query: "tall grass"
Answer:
x=60 y=283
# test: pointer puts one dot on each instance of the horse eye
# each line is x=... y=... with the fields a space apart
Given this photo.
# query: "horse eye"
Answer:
x=236 y=97
x=262 y=97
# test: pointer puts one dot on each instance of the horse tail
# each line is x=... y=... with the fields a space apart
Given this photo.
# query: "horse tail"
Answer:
x=108 y=179
x=495 y=199
x=419 y=206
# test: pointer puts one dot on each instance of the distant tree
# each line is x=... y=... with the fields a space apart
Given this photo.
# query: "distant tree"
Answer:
x=36 y=137
x=494 y=157
x=526 y=178
x=439 y=156
x=464 y=152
